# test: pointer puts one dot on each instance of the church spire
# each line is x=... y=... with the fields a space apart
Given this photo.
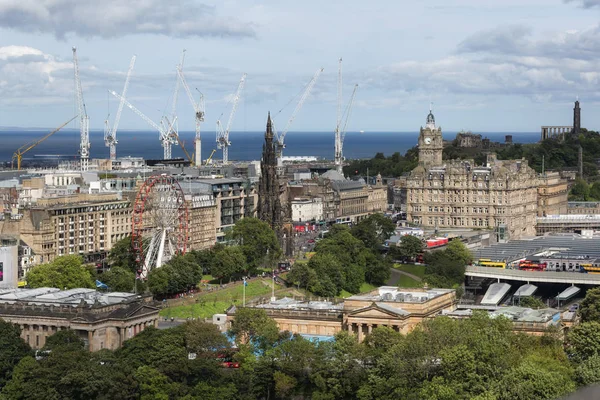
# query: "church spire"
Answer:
x=269 y=131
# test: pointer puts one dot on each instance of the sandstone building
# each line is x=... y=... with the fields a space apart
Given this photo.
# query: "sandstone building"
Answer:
x=101 y=320
x=400 y=309
x=501 y=195
x=345 y=200
x=553 y=192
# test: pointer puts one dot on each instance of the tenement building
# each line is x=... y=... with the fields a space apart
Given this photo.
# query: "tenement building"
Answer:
x=84 y=224
x=346 y=200
x=500 y=195
x=101 y=320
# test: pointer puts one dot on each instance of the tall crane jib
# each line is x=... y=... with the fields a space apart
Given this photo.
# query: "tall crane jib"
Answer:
x=280 y=137
x=199 y=111
x=223 y=134
x=342 y=118
x=164 y=129
x=84 y=119
x=110 y=134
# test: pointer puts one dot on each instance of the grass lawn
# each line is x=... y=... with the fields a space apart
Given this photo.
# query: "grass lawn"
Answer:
x=418 y=270
x=408 y=282
x=364 y=288
x=210 y=303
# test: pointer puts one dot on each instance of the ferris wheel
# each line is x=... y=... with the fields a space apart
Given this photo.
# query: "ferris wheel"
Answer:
x=159 y=223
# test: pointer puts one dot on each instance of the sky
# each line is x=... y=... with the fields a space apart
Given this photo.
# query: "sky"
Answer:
x=486 y=65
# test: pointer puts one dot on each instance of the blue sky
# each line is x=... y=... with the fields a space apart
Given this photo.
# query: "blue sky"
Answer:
x=487 y=65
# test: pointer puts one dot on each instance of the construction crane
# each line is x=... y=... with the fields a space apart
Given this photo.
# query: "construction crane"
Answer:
x=18 y=155
x=187 y=155
x=199 y=110
x=84 y=119
x=340 y=131
x=223 y=134
x=173 y=115
x=209 y=159
x=279 y=138
x=110 y=135
x=167 y=134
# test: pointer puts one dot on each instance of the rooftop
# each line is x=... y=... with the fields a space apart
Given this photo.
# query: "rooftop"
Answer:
x=400 y=295
x=72 y=297
x=560 y=246
x=292 y=304
x=523 y=314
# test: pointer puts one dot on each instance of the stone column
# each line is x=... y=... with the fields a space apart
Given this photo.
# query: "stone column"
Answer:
x=90 y=338
x=369 y=328
x=360 y=333
x=349 y=327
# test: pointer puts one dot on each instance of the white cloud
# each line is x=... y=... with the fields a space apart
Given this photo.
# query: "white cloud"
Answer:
x=115 y=18
x=32 y=77
x=585 y=3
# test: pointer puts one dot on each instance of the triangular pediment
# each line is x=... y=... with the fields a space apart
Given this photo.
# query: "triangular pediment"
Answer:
x=142 y=310
x=376 y=311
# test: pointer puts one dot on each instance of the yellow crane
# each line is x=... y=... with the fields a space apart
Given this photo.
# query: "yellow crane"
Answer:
x=28 y=146
x=209 y=159
x=190 y=158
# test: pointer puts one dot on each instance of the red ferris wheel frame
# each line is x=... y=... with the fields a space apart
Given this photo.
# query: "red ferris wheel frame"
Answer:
x=148 y=189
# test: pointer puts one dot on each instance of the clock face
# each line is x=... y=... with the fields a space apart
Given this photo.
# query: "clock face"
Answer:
x=427 y=140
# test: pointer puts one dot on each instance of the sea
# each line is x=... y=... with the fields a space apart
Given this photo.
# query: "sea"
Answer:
x=245 y=146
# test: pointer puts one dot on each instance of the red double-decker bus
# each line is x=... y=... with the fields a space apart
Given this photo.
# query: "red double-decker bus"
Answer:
x=532 y=265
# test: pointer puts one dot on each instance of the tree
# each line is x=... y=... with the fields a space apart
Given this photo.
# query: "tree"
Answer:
x=253 y=325
x=377 y=270
x=410 y=246
x=65 y=339
x=534 y=380
x=580 y=191
x=284 y=384
x=158 y=281
x=590 y=306
x=382 y=339
x=443 y=271
x=228 y=261
x=119 y=279
x=346 y=265
x=258 y=242
x=585 y=340
x=373 y=231
x=330 y=277
x=66 y=272
x=588 y=372
x=595 y=191
x=204 y=338
x=122 y=255
x=154 y=385
x=531 y=302
x=456 y=250
x=13 y=349
x=302 y=275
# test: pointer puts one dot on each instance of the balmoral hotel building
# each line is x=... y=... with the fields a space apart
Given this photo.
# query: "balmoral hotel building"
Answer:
x=501 y=195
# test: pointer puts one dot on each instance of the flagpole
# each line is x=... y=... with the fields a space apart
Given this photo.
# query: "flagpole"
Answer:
x=273 y=289
x=244 y=293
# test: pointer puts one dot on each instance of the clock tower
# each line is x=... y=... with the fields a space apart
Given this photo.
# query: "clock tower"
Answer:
x=431 y=144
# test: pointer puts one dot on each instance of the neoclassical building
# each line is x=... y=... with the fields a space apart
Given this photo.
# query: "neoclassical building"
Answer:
x=101 y=320
x=400 y=309
x=501 y=195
